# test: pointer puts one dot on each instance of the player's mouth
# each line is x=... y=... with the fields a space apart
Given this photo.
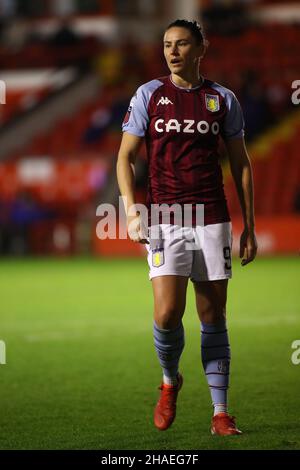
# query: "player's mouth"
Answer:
x=175 y=61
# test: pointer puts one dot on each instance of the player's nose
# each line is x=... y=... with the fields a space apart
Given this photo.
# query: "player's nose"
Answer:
x=173 y=50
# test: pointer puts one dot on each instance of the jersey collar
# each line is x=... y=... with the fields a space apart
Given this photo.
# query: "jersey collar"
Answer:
x=187 y=89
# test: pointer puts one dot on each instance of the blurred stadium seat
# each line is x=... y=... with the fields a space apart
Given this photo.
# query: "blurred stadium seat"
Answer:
x=260 y=61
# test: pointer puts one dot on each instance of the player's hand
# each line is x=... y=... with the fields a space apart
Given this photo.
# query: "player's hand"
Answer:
x=135 y=230
x=248 y=246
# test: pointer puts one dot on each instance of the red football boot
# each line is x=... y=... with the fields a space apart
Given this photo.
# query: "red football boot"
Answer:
x=165 y=410
x=224 y=425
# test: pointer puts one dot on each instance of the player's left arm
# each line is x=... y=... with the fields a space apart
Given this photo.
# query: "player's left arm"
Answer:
x=242 y=174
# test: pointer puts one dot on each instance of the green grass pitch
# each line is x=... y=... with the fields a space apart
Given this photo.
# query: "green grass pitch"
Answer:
x=82 y=372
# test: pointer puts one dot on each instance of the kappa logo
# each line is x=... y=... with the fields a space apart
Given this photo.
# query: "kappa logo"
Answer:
x=164 y=100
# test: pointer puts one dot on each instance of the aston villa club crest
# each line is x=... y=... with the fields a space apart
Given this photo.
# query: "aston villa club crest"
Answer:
x=223 y=366
x=158 y=258
x=212 y=102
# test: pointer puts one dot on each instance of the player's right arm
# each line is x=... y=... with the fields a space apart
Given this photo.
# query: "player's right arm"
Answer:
x=129 y=148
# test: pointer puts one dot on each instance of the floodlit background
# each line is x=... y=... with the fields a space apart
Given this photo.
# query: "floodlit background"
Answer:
x=76 y=311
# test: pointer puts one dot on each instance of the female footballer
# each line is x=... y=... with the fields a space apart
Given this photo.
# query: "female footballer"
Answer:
x=182 y=116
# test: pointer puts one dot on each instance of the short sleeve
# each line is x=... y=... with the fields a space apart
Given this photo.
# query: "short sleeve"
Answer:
x=234 y=121
x=136 y=119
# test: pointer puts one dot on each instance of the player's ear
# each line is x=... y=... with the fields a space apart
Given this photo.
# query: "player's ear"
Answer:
x=203 y=48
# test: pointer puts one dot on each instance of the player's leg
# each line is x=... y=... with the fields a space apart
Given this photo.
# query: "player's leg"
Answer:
x=170 y=267
x=169 y=303
x=215 y=349
x=210 y=273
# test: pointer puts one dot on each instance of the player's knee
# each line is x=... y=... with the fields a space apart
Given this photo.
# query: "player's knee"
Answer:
x=212 y=314
x=168 y=318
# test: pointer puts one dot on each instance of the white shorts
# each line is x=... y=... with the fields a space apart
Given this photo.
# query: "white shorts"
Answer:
x=202 y=253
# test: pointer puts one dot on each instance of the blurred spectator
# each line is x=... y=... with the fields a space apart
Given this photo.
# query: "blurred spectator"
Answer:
x=88 y=6
x=63 y=7
x=15 y=34
x=296 y=205
x=24 y=211
x=254 y=105
x=109 y=66
x=16 y=220
x=120 y=106
x=4 y=226
x=278 y=97
x=31 y=8
x=133 y=59
x=98 y=126
x=7 y=9
x=128 y=8
x=65 y=35
x=226 y=17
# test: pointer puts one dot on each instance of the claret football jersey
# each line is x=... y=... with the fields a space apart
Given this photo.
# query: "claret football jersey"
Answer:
x=182 y=128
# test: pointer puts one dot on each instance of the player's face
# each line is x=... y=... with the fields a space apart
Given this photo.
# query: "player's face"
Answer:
x=181 y=51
